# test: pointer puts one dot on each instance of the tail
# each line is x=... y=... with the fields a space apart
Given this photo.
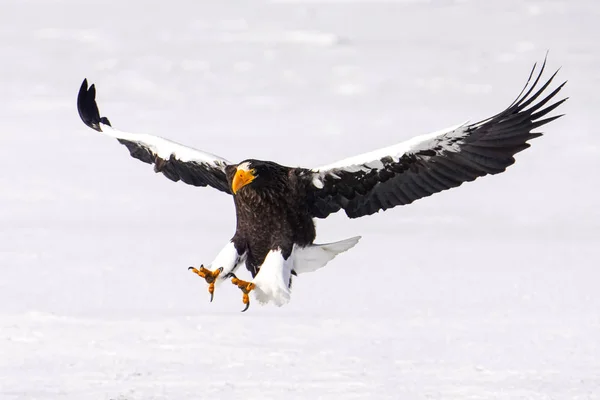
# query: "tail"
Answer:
x=315 y=256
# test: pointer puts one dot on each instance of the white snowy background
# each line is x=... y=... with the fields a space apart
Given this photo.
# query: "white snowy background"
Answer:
x=487 y=291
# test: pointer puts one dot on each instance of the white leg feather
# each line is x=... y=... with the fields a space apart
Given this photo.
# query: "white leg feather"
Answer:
x=228 y=259
x=272 y=280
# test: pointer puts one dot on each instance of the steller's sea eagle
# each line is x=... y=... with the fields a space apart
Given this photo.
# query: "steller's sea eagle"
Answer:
x=275 y=205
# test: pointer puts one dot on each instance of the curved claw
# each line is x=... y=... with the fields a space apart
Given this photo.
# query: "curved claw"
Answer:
x=245 y=287
x=209 y=276
x=246 y=298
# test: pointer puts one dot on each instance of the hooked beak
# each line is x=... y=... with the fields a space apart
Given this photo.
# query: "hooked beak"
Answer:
x=242 y=178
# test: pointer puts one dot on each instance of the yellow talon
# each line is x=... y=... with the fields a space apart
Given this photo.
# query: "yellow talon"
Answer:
x=209 y=276
x=245 y=287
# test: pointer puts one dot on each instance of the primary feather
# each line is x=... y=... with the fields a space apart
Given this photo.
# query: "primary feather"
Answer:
x=173 y=160
x=427 y=164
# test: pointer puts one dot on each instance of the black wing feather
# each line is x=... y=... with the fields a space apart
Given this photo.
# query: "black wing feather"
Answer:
x=486 y=147
x=205 y=171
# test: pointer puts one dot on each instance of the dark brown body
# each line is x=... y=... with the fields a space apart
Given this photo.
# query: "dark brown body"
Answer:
x=271 y=213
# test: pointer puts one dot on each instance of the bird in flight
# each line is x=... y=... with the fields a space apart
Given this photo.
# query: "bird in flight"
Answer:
x=276 y=205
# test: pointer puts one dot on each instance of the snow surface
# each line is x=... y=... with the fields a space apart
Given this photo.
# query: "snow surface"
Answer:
x=486 y=291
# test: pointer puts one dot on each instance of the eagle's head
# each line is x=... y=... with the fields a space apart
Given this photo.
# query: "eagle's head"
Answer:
x=257 y=176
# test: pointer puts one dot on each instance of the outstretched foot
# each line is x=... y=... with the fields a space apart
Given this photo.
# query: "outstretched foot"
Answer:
x=245 y=287
x=209 y=276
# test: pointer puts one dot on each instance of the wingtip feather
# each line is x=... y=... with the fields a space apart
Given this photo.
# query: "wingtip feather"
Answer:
x=88 y=108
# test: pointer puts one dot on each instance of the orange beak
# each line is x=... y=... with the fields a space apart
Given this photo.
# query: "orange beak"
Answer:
x=241 y=179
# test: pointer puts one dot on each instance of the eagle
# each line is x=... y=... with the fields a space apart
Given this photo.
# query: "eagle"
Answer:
x=276 y=205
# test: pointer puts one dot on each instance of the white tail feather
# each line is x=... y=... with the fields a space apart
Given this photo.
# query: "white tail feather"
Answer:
x=273 y=279
x=315 y=256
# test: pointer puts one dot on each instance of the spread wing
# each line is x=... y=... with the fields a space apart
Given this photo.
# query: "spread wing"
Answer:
x=400 y=174
x=175 y=161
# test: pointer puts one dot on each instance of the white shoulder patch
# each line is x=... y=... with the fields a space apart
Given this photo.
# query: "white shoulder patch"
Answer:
x=372 y=159
x=318 y=181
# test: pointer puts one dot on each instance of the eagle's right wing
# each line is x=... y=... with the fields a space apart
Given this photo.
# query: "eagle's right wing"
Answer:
x=175 y=161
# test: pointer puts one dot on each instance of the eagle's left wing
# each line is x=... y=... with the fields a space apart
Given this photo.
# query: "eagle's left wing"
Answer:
x=175 y=161
x=428 y=164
